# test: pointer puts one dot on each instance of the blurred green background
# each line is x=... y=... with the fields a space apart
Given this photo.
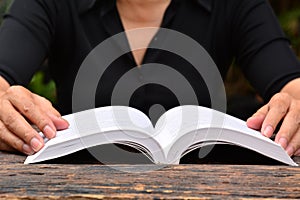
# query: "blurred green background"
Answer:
x=288 y=12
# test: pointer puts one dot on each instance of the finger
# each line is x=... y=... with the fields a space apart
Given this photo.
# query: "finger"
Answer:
x=255 y=122
x=26 y=106
x=297 y=153
x=294 y=144
x=6 y=147
x=45 y=104
x=17 y=125
x=59 y=122
x=52 y=113
x=289 y=127
x=10 y=142
x=278 y=108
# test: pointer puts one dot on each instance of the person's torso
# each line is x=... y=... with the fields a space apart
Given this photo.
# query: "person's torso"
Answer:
x=83 y=29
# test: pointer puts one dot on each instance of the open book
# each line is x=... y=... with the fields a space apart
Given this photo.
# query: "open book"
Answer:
x=176 y=133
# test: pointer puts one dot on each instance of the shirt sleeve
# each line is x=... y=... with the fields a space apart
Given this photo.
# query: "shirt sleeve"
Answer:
x=25 y=38
x=262 y=48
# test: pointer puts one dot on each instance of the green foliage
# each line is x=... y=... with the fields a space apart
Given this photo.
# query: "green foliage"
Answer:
x=4 y=5
x=40 y=86
x=290 y=22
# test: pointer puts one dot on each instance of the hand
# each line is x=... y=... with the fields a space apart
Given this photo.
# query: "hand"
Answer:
x=19 y=108
x=281 y=108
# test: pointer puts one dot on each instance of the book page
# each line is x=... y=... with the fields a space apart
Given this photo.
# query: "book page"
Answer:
x=205 y=125
x=105 y=125
x=178 y=121
x=102 y=120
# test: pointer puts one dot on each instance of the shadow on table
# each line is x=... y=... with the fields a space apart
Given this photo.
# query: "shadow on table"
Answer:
x=220 y=154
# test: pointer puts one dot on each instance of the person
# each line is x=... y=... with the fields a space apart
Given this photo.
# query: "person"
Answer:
x=64 y=32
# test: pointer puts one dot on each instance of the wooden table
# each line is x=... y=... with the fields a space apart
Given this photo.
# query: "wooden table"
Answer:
x=90 y=181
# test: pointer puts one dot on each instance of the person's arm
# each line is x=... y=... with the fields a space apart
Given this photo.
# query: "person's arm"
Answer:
x=283 y=107
x=25 y=39
x=272 y=68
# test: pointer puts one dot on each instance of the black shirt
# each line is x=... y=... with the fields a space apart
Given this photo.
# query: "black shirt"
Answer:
x=65 y=31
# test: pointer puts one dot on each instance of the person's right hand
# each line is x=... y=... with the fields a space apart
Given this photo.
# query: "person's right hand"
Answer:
x=19 y=110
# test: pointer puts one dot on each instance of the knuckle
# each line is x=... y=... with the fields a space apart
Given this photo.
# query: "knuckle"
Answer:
x=296 y=105
x=286 y=133
x=295 y=113
x=297 y=122
x=296 y=119
x=12 y=124
x=4 y=103
x=42 y=122
x=280 y=98
x=5 y=106
x=28 y=107
x=17 y=92
x=44 y=101
x=9 y=120
x=2 y=127
x=293 y=116
x=2 y=134
x=281 y=109
x=280 y=104
x=14 y=90
x=28 y=136
x=17 y=144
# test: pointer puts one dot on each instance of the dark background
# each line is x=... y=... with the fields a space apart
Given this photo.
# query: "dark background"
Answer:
x=242 y=99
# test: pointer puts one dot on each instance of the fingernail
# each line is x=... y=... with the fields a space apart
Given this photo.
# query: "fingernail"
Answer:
x=297 y=153
x=49 y=132
x=27 y=149
x=268 y=131
x=290 y=150
x=35 y=144
x=283 y=142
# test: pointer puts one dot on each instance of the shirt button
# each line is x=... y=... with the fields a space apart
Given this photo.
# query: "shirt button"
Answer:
x=155 y=39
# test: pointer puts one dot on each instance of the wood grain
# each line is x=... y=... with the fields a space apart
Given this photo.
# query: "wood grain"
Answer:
x=57 y=181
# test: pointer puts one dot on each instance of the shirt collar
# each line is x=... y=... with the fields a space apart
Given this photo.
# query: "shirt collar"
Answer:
x=206 y=4
x=85 y=5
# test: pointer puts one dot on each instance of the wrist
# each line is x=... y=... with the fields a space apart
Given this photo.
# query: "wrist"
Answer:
x=292 y=88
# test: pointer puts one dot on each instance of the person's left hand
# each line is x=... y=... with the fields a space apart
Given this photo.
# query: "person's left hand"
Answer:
x=285 y=109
